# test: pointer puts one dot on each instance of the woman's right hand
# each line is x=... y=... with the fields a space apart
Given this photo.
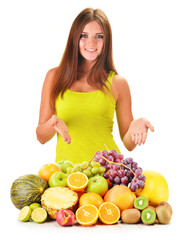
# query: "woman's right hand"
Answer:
x=61 y=128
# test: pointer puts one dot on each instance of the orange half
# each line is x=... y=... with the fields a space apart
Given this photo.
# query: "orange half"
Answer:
x=77 y=181
x=87 y=215
x=109 y=213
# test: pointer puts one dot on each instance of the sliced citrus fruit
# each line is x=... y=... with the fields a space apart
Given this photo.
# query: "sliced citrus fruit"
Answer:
x=77 y=181
x=87 y=215
x=25 y=214
x=39 y=215
x=34 y=206
x=109 y=213
x=91 y=198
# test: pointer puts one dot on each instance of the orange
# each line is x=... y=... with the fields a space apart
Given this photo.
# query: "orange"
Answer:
x=87 y=215
x=91 y=198
x=77 y=181
x=122 y=196
x=47 y=170
x=109 y=213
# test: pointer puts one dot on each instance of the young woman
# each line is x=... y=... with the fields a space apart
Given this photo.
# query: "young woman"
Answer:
x=80 y=96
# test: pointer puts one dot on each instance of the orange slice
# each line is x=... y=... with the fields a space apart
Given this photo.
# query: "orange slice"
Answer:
x=109 y=213
x=77 y=181
x=87 y=215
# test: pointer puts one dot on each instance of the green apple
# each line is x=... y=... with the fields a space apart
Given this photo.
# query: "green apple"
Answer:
x=64 y=165
x=58 y=179
x=97 y=184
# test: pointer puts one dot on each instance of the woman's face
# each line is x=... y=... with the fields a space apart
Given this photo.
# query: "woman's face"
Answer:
x=91 y=41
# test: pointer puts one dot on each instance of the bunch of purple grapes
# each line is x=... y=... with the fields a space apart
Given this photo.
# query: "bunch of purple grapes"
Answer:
x=129 y=175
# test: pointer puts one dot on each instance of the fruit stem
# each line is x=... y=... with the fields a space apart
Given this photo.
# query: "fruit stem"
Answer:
x=119 y=165
x=89 y=162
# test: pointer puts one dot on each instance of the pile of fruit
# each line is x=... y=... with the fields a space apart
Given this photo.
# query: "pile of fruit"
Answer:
x=106 y=188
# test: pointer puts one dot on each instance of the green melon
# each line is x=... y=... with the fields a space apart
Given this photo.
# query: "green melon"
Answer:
x=27 y=189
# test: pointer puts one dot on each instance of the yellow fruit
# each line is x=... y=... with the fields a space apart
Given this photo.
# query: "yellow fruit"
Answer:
x=90 y=198
x=156 y=188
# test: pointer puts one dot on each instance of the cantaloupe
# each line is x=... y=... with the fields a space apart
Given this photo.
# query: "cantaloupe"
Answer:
x=27 y=189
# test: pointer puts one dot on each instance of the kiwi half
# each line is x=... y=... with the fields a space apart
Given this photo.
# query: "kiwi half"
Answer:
x=141 y=203
x=148 y=216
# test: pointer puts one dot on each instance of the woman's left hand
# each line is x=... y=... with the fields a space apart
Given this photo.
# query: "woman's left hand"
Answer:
x=138 y=130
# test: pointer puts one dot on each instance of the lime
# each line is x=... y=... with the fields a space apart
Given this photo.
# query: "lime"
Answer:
x=34 y=206
x=25 y=214
x=39 y=215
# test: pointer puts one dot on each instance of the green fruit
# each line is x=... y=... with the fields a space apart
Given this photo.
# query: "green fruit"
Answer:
x=39 y=215
x=102 y=169
x=95 y=170
x=27 y=189
x=97 y=184
x=95 y=164
x=87 y=172
x=141 y=203
x=34 y=206
x=148 y=216
x=58 y=179
x=25 y=214
x=64 y=165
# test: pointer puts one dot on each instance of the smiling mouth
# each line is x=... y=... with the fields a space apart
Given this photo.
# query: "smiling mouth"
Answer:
x=91 y=50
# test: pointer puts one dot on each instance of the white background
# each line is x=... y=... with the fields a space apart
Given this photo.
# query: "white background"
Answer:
x=147 y=52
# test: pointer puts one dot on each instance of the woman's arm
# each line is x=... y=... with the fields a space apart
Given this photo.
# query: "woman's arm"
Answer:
x=132 y=132
x=49 y=123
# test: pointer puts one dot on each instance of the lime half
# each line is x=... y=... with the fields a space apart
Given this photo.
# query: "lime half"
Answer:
x=39 y=215
x=25 y=214
x=34 y=206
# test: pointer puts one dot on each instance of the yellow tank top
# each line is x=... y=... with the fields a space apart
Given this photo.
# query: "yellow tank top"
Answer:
x=89 y=118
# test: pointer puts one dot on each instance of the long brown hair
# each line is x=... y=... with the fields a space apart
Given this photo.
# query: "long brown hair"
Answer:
x=67 y=71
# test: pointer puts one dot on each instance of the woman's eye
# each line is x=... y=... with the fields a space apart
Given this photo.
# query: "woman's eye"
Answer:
x=83 y=36
x=100 y=36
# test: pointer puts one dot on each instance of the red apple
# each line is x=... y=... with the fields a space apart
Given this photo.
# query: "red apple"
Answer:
x=65 y=217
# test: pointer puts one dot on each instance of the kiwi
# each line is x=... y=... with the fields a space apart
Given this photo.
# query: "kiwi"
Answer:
x=141 y=203
x=130 y=215
x=167 y=205
x=163 y=214
x=148 y=216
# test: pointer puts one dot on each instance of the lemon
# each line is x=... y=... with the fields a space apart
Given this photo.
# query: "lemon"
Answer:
x=34 y=206
x=155 y=189
x=25 y=214
x=39 y=215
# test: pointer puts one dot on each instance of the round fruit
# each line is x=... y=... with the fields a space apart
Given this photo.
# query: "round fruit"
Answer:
x=155 y=189
x=141 y=203
x=47 y=170
x=39 y=215
x=25 y=214
x=163 y=214
x=148 y=216
x=77 y=181
x=90 y=198
x=167 y=205
x=109 y=213
x=130 y=215
x=34 y=206
x=122 y=196
x=87 y=215
x=27 y=189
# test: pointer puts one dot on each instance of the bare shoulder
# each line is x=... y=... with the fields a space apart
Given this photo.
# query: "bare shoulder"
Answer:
x=120 y=86
x=50 y=74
